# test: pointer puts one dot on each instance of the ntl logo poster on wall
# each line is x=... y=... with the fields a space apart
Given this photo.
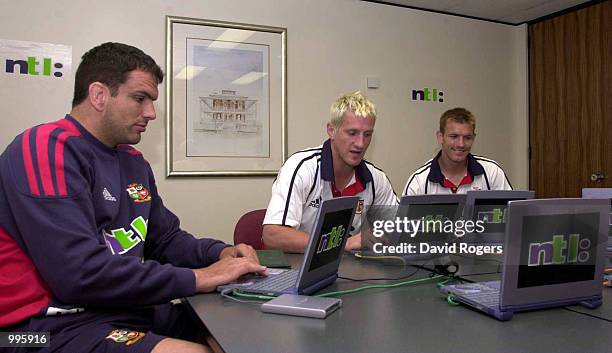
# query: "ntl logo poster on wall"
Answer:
x=31 y=59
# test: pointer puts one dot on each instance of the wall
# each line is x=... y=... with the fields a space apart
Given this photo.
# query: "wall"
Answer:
x=332 y=47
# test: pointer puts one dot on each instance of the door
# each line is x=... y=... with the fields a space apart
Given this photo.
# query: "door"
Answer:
x=570 y=102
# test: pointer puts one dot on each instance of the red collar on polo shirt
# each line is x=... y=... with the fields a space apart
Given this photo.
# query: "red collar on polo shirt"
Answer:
x=351 y=190
x=449 y=184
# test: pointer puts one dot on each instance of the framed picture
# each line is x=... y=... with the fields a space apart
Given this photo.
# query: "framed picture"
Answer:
x=225 y=98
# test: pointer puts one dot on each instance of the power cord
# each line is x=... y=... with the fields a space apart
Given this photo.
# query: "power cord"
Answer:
x=374 y=286
x=451 y=300
x=381 y=278
x=238 y=293
x=386 y=257
x=587 y=314
x=225 y=294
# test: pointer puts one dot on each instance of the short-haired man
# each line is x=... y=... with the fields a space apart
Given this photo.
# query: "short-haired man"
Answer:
x=88 y=252
x=454 y=169
x=334 y=169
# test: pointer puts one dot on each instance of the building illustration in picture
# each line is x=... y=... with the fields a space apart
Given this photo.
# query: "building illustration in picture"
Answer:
x=228 y=112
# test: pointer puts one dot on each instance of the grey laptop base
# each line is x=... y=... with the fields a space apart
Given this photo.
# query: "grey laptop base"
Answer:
x=485 y=296
x=541 y=274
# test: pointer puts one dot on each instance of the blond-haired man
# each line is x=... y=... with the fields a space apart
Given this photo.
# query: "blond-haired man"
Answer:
x=334 y=169
x=454 y=169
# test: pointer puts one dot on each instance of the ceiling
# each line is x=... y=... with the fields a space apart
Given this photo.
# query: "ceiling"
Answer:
x=504 y=11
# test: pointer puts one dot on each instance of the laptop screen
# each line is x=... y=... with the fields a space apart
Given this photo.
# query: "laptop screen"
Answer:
x=332 y=233
x=493 y=213
x=490 y=210
x=434 y=218
x=558 y=249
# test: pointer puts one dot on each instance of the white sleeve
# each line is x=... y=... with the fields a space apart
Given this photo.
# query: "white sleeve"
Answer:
x=385 y=195
x=289 y=194
x=499 y=181
x=413 y=187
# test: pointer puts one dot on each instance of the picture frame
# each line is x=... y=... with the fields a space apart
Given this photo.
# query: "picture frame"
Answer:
x=226 y=97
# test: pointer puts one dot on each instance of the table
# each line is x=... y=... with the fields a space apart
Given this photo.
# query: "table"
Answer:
x=406 y=319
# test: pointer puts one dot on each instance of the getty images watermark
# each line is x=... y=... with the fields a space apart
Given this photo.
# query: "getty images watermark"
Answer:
x=405 y=231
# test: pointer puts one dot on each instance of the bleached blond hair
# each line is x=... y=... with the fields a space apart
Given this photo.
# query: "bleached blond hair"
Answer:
x=354 y=102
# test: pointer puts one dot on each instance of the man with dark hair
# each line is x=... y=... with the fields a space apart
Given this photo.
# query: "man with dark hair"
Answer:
x=455 y=169
x=88 y=252
x=110 y=64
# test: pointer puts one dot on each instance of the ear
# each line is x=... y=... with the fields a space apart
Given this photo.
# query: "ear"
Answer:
x=439 y=137
x=99 y=94
x=331 y=130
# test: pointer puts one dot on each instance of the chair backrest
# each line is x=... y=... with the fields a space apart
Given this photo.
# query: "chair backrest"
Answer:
x=249 y=229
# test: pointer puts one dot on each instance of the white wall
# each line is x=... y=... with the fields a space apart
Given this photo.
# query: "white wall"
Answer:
x=332 y=47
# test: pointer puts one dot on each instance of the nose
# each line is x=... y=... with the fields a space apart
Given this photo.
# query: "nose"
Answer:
x=359 y=141
x=460 y=141
x=149 y=111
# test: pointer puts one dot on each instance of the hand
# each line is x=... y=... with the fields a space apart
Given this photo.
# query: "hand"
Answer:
x=240 y=250
x=226 y=270
x=353 y=243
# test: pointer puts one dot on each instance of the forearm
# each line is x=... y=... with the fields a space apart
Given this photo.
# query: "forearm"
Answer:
x=168 y=243
x=284 y=238
x=183 y=250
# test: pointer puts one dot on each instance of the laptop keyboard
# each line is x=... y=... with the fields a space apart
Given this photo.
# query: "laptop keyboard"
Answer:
x=277 y=283
x=486 y=298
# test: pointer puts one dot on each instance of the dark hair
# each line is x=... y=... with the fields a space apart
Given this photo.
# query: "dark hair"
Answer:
x=110 y=64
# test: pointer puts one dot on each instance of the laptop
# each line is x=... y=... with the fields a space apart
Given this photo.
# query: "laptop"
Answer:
x=597 y=193
x=554 y=256
x=424 y=208
x=601 y=193
x=321 y=260
x=490 y=208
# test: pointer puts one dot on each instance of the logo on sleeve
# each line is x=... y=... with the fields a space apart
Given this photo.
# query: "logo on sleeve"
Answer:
x=316 y=203
x=138 y=193
x=360 y=206
x=108 y=196
x=125 y=336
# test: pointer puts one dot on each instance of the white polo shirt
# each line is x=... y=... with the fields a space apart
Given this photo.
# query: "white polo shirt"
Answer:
x=486 y=175
x=306 y=179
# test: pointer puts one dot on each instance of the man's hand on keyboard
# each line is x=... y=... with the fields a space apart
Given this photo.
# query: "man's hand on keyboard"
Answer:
x=240 y=250
x=226 y=270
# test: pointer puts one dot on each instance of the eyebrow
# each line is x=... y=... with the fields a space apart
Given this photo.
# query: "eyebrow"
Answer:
x=144 y=93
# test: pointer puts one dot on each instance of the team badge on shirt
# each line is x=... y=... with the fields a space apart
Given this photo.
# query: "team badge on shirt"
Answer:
x=359 y=209
x=125 y=336
x=138 y=193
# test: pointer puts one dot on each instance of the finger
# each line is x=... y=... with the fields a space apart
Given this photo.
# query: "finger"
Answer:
x=252 y=266
x=262 y=270
x=252 y=254
x=255 y=257
x=241 y=250
x=248 y=252
x=229 y=252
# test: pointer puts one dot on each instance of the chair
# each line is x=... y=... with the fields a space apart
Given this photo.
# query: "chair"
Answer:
x=249 y=229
